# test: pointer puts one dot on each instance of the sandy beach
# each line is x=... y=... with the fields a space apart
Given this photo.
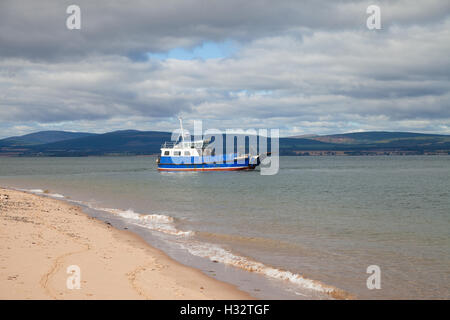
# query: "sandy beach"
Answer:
x=41 y=237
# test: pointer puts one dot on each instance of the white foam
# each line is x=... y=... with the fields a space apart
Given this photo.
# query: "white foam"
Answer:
x=219 y=254
x=157 y=222
x=35 y=190
x=56 y=195
x=40 y=191
x=29 y=190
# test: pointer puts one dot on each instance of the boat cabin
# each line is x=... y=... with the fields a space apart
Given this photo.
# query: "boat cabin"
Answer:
x=187 y=149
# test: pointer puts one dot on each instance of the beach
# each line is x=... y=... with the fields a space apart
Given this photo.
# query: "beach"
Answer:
x=41 y=237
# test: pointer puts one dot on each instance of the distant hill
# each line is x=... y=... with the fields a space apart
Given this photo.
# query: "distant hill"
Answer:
x=289 y=146
x=117 y=142
x=42 y=137
x=375 y=137
x=382 y=142
x=133 y=142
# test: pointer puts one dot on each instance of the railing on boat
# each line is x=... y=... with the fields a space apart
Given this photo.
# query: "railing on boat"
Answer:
x=168 y=144
x=193 y=144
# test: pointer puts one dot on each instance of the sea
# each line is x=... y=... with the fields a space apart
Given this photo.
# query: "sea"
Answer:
x=332 y=227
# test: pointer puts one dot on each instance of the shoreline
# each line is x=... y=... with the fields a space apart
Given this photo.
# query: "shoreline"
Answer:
x=41 y=237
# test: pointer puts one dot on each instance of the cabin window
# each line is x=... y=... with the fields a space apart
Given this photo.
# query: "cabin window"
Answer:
x=177 y=153
x=187 y=153
x=166 y=153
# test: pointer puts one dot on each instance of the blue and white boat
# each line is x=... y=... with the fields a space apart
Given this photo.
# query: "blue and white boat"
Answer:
x=198 y=156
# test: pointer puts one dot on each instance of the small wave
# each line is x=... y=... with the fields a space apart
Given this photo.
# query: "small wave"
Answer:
x=45 y=192
x=219 y=254
x=157 y=222
x=42 y=192
x=29 y=190
x=55 y=195
x=35 y=190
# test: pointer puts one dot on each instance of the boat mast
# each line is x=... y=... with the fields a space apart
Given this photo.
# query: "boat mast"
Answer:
x=182 y=132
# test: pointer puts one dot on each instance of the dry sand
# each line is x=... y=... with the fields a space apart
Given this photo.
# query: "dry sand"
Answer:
x=41 y=237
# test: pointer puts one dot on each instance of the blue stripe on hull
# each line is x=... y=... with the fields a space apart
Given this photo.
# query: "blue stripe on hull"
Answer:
x=206 y=166
x=209 y=163
x=201 y=160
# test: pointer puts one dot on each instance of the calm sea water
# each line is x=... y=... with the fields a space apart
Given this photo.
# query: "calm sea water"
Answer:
x=324 y=219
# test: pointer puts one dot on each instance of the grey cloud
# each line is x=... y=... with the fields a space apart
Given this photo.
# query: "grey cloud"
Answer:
x=36 y=29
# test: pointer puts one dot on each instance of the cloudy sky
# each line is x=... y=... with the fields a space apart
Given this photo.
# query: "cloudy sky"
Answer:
x=305 y=67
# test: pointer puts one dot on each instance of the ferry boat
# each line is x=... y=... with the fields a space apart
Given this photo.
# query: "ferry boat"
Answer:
x=199 y=156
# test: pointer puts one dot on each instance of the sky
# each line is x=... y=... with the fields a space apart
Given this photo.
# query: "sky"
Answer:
x=304 y=67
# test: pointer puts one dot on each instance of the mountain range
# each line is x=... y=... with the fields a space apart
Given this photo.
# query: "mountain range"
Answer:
x=133 y=142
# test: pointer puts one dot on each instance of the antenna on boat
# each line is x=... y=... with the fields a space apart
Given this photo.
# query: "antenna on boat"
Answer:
x=181 y=125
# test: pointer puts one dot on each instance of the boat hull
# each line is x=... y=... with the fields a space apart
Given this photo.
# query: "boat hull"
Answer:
x=212 y=163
